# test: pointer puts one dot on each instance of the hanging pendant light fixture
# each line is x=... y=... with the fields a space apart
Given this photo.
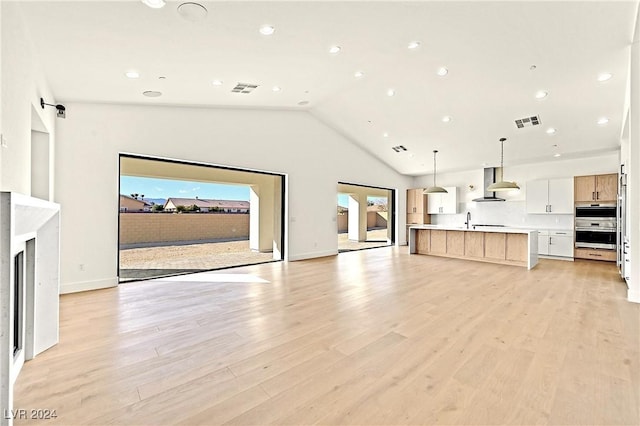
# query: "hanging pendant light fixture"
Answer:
x=502 y=185
x=434 y=189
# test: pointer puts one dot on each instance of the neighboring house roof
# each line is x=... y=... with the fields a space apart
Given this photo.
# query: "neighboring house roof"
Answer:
x=142 y=202
x=205 y=203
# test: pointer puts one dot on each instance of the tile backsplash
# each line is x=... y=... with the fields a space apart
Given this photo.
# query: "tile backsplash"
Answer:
x=508 y=213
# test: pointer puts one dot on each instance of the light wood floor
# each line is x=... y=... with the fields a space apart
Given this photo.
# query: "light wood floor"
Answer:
x=370 y=337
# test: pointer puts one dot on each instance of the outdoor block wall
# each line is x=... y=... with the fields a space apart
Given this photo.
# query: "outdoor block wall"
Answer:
x=163 y=227
x=374 y=220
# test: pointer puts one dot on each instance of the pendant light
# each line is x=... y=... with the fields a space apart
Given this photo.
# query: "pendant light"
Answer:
x=502 y=185
x=435 y=189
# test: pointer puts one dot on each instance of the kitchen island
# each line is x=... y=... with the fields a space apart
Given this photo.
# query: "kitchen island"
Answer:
x=507 y=246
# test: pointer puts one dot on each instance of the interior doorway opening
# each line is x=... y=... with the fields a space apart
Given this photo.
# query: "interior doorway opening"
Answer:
x=178 y=217
x=366 y=217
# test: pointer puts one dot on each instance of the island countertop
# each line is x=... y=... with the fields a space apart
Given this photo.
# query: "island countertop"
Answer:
x=482 y=228
x=493 y=244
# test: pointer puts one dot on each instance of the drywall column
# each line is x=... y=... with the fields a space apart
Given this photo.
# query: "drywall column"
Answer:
x=277 y=217
x=261 y=217
x=6 y=321
x=633 y=177
x=40 y=163
x=357 y=217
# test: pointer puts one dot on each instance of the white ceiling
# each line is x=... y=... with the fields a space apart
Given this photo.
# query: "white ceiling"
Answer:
x=85 y=48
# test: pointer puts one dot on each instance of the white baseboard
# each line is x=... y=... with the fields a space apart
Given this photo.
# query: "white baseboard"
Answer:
x=546 y=256
x=312 y=255
x=88 y=285
x=633 y=296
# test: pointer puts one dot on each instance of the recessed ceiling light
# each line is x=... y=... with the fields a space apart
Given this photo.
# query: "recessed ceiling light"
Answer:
x=385 y=135
x=193 y=12
x=358 y=74
x=447 y=119
x=411 y=155
x=551 y=131
x=132 y=74
x=267 y=30
x=603 y=120
x=442 y=71
x=276 y=88
x=152 y=94
x=413 y=45
x=334 y=49
x=605 y=76
x=541 y=94
x=155 y=4
x=162 y=77
x=391 y=92
x=532 y=67
x=303 y=103
x=217 y=82
x=557 y=154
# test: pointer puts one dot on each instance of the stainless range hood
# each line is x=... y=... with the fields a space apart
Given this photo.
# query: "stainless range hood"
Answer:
x=490 y=174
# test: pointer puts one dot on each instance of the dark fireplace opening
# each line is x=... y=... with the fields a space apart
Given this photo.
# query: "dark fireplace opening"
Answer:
x=18 y=297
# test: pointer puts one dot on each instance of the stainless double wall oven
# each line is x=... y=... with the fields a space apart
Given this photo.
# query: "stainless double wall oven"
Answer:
x=596 y=226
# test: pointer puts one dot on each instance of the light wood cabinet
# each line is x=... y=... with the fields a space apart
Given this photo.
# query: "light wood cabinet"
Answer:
x=455 y=243
x=517 y=247
x=423 y=241
x=474 y=244
x=494 y=246
x=596 y=188
x=595 y=254
x=550 y=196
x=438 y=242
x=417 y=207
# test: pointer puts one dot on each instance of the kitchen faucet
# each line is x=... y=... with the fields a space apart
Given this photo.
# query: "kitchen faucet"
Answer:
x=468 y=222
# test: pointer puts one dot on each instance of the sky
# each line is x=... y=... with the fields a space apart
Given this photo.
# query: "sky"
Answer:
x=164 y=188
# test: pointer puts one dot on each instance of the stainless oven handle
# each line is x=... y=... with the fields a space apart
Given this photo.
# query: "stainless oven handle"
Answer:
x=595 y=229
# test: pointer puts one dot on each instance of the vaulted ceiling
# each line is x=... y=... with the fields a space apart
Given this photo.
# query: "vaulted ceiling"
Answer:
x=498 y=57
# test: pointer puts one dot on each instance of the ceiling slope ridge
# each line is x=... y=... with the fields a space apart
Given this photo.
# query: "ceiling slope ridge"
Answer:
x=326 y=122
x=183 y=106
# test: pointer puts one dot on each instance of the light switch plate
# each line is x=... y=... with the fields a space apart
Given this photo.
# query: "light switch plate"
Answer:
x=3 y=141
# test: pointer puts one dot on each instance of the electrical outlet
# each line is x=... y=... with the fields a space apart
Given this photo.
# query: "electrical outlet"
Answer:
x=3 y=141
x=81 y=266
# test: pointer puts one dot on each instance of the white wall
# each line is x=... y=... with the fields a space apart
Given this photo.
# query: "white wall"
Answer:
x=513 y=211
x=23 y=84
x=314 y=158
x=633 y=166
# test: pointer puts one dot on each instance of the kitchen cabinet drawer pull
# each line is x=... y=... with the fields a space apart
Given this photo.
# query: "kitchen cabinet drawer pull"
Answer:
x=561 y=233
x=595 y=254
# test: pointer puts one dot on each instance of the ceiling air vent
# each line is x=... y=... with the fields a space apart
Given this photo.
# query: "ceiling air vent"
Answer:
x=528 y=121
x=399 y=148
x=244 y=88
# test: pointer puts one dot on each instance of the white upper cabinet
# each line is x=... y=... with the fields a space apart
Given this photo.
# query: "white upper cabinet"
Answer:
x=444 y=203
x=550 y=196
x=538 y=196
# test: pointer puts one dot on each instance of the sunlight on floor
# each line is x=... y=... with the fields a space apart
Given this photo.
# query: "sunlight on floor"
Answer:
x=216 y=278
